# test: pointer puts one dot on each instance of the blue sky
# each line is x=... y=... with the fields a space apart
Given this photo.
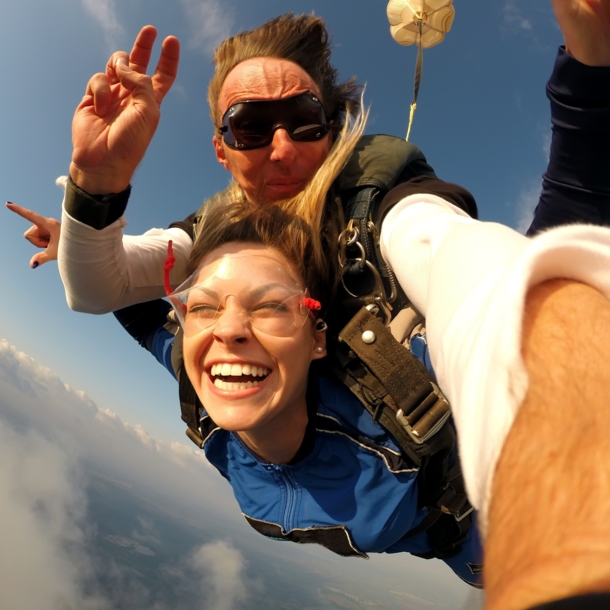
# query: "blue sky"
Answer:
x=482 y=121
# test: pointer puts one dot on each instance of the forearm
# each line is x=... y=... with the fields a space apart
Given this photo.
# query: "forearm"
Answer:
x=549 y=521
x=576 y=185
x=104 y=270
x=470 y=280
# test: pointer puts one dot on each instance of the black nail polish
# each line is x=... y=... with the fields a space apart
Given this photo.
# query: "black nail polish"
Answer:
x=35 y=265
x=9 y=203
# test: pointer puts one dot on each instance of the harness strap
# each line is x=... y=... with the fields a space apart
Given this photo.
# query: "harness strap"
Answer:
x=190 y=404
x=421 y=409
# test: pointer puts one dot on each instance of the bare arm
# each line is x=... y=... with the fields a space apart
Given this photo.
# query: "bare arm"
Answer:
x=549 y=522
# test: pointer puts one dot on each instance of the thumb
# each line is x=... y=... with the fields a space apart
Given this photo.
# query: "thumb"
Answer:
x=40 y=259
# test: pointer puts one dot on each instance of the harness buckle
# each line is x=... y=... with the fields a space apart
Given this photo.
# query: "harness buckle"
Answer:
x=430 y=416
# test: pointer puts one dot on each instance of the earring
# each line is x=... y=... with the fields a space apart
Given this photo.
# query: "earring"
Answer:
x=321 y=325
x=319 y=350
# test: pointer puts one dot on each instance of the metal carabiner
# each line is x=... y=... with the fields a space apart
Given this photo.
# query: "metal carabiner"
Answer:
x=378 y=294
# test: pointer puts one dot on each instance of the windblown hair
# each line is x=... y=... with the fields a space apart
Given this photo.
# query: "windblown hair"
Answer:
x=304 y=228
x=301 y=39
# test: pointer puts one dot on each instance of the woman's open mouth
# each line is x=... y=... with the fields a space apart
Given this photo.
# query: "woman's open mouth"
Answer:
x=231 y=377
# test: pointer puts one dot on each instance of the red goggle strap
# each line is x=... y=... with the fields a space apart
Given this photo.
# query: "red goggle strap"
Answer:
x=167 y=267
x=312 y=304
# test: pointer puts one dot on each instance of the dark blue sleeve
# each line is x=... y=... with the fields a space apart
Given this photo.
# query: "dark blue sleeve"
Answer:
x=145 y=322
x=576 y=185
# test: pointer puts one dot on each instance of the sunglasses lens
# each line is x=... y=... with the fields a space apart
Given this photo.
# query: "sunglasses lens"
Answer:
x=252 y=124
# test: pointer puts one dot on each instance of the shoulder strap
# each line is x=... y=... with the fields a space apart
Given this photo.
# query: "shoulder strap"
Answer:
x=190 y=405
x=380 y=161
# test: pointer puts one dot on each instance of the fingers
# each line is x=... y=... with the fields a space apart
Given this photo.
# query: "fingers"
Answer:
x=50 y=254
x=98 y=89
x=138 y=84
x=43 y=234
x=142 y=49
x=37 y=237
x=110 y=66
x=137 y=61
x=33 y=217
x=167 y=68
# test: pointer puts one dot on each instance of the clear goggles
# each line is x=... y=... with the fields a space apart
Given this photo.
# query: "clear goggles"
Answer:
x=256 y=288
x=252 y=123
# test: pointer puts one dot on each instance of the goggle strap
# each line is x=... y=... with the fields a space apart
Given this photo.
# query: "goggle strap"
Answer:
x=312 y=304
x=167 y=267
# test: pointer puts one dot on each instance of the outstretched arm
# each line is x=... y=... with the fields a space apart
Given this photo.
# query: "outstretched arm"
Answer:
x=549 y=521
x=507 y=348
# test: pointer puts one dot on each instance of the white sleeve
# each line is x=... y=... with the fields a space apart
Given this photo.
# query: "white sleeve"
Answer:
x=470 y=280
x=103 y=271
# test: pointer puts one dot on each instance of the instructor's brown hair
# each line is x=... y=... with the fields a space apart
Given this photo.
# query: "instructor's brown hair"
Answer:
x=301 y=39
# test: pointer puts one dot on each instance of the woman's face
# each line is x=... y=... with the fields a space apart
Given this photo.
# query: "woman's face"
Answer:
x=249 y=361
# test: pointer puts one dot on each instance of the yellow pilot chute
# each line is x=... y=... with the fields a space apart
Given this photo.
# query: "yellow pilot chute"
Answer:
x=420 y=22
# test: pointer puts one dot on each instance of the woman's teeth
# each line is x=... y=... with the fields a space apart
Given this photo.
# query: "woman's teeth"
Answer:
x=237 y=370
x=231 y=386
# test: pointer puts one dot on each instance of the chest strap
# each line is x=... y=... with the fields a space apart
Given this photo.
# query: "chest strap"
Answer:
x=394 y=386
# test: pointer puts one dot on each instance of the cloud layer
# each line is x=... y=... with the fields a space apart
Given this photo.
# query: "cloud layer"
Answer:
x=104 y=12
x=51 y=437
x=210 y=22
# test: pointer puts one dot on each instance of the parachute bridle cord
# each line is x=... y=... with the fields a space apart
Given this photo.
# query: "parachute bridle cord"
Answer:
x=420 y=22
x=419 y=64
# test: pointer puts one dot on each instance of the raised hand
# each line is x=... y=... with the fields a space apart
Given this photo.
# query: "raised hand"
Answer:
x=586 y=28
x=44 y=233
x=117 y=118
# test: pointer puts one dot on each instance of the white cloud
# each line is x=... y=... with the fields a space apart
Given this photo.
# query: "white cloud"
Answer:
x=104 y=12
x=223 y=583
x=513 y=17
x=50 y=434
x=546 y=144
x=526 y=204
x=210 y=22
x=41 y=526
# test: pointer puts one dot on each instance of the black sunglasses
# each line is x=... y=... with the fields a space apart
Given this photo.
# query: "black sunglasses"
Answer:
x=252 y=123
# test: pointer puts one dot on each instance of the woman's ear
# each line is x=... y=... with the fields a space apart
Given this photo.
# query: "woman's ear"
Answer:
x=319 y=340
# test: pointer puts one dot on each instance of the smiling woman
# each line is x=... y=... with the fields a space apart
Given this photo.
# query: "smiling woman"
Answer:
x=306 y=461
x=249 y=339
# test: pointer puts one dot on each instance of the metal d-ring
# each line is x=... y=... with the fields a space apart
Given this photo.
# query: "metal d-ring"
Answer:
x=361 y=260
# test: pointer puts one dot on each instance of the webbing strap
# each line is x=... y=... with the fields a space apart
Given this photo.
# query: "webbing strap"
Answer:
x=421 y=409
x=189 y=401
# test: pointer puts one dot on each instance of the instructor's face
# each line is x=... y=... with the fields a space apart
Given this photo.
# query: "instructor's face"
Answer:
x=283 y=168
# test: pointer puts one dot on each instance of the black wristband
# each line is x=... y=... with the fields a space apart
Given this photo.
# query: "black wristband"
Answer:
x=96 y=211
